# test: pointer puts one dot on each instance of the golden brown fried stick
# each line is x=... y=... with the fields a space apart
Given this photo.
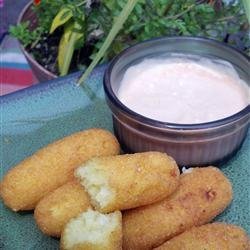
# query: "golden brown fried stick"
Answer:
x=55 y=209
x=211 y=236
x=202 y=194
x=52 y=166
x=127 y=181
x=93 y=231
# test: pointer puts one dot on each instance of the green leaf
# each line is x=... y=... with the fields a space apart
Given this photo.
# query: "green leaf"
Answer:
x=128 y=8
x=110 y=4
x=24 y=34
x=61 y=18
x=67 y=46
x=246 y=4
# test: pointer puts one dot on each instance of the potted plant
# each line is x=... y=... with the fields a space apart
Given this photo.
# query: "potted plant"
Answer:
x=28 y=33
x=58 y=37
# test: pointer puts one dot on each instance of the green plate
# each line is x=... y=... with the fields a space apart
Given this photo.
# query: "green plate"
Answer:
x=34 y=117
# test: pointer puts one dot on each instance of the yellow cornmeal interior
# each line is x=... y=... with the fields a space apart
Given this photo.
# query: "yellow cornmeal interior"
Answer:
x=96 y=184
x=90 y=227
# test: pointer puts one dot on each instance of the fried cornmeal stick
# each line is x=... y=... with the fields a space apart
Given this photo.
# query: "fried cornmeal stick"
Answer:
x=128 y=181
x=52 y=166
x=93 y=231
x=202 y=194
x=210 y=237
x=55 y=209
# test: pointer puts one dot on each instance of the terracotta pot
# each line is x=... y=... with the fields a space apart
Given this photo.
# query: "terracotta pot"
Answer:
x=39 y=71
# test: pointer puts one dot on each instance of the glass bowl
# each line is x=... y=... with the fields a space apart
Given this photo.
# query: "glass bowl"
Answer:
x=189 y=144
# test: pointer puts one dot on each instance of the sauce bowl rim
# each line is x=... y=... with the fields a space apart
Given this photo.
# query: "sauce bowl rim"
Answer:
x=161 y=124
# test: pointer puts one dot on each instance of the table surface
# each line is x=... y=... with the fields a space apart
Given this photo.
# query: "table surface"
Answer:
x=9 y=13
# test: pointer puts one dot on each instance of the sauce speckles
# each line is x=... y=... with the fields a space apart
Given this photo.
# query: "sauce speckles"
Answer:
x=183 y=90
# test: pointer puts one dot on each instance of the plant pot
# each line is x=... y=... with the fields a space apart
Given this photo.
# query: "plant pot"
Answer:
x=38 y=70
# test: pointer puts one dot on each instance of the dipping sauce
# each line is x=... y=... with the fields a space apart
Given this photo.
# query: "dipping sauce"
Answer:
x=183 y=90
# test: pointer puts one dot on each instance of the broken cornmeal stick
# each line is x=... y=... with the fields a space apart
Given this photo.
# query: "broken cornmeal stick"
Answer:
x=128 y=181
x=93 y=230
x=59 y=206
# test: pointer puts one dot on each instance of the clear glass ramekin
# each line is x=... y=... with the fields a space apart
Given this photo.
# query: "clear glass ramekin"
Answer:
x=189 y=144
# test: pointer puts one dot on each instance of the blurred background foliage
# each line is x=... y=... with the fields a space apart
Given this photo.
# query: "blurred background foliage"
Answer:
x=92 y=20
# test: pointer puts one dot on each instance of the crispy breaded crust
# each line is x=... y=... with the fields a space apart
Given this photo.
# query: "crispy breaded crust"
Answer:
x=52 y=166
x=55 y=209
x=202 y=194
x=211 y=236
x=106 y=240
x=131 y=180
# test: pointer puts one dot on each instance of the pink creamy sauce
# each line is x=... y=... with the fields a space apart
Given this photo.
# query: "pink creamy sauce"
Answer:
x=183 y=90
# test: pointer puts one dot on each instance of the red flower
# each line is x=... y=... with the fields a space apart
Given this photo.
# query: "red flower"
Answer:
x=36 y=2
